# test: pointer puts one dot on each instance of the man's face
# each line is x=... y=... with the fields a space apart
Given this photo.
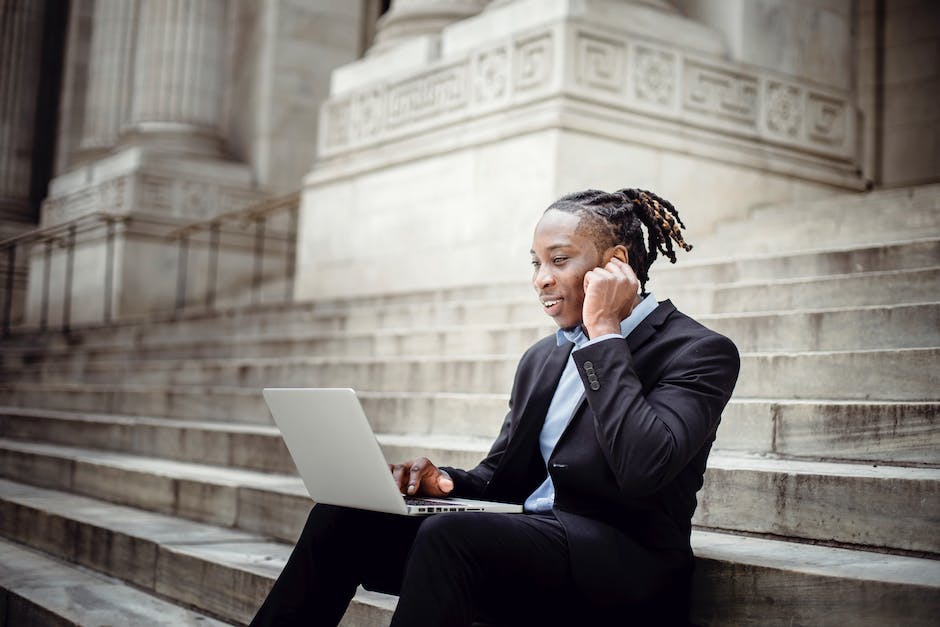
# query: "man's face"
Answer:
x=561 y=256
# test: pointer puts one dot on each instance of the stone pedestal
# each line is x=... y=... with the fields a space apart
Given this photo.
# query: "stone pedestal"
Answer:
x=442 y=164
x=148 y=193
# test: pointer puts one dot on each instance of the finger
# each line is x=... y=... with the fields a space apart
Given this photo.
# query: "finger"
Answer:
x=445 y=484
x=615 y=270
x=625 y=267
x=598 y=275
x=416 y=472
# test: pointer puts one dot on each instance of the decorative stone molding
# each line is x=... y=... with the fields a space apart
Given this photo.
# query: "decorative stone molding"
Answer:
x=722 y=99
x=721 y=94
x=171 y=196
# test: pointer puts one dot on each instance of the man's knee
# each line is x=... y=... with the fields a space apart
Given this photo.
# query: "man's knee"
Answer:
x=444 y=533
x=441 y=527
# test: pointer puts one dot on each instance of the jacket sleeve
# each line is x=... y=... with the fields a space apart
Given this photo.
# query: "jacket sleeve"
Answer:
x=647 y=440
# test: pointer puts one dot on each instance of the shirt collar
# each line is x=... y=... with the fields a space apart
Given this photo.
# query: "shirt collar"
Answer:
x=577 y=336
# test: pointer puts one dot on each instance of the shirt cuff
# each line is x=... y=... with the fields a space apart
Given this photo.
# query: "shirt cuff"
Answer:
x=599 y=338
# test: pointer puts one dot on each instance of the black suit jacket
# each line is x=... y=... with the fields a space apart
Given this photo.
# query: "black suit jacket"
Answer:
x=627 y=467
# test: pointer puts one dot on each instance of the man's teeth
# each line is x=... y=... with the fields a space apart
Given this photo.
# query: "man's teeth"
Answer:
x=549 y=303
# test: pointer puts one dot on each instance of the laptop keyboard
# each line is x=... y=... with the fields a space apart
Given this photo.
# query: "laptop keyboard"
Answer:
x=420 y=500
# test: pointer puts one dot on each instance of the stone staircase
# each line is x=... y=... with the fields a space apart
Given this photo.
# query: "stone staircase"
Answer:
x=141 y=480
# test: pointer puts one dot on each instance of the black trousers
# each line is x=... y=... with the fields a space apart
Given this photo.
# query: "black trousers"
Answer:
x=448 y=570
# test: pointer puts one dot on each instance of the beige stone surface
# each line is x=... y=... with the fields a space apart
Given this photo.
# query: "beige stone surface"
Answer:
x=882 y=586
x=37 y=585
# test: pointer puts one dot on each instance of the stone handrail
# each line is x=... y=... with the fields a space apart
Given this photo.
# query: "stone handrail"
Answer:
x=15 y=255
x=64 y=234
x=257 y=214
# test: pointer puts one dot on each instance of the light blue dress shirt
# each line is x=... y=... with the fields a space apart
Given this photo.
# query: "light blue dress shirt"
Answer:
x=568 y=396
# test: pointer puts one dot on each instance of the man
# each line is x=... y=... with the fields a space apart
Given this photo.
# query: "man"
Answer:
x=610 y=425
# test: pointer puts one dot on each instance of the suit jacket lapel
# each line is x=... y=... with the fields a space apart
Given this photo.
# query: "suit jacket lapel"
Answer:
x=522 y=453
x=546 y=380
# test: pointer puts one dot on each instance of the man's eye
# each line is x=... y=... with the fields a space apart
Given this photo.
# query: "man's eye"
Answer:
x=535 y=263
x=560 y=259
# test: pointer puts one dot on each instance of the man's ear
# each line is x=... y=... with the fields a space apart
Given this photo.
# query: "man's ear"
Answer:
x=619 y=251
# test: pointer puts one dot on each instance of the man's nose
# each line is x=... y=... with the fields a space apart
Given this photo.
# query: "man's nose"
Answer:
x=543 y=277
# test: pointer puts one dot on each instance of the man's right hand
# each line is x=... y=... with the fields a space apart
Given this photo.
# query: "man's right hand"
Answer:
x=419 y=477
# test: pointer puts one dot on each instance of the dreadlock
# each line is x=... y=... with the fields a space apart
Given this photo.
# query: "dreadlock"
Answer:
x=616 y=218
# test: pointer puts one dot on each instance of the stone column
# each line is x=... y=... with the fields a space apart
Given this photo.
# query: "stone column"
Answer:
x=111 y=61
x=411 y=18
x=179 y=75
x=21 y=25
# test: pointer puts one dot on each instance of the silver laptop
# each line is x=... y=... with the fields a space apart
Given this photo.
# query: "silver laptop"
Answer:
x=340 y=460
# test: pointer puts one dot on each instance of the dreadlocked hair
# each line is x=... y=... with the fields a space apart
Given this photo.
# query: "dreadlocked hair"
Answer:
x=616 y=218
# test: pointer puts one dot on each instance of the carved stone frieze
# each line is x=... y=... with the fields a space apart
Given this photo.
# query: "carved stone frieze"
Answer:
x=110 y=196
x=431 y=95
x=609 y=68
x=369 y=112
x=600 y=62
x=730 y=96
x=155 y=193
x=654 y=79
x=784 y=109
x=491 y=75
x=534 y=61
x=825 y=119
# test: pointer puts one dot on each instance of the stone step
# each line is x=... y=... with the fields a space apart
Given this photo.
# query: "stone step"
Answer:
x=878 y=327
x=863 y=289
x=897 y=326
x=872 y=506
x=40 y=591
x=884 y=507
x=903 y=374
x=899 y=432
x=219 y=571
x=513 y=301
x=233 y=445
x=887 y=375
x=228 y=573
x=906 y=255
x=849 y=220
x=845 y=503
x=853 y=430
x=890 y=432
x=414 y=412
x=272 y=504
x=757 y=581
x=236 y=404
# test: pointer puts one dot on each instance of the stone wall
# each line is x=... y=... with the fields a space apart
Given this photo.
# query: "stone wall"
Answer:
x=437 y=156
